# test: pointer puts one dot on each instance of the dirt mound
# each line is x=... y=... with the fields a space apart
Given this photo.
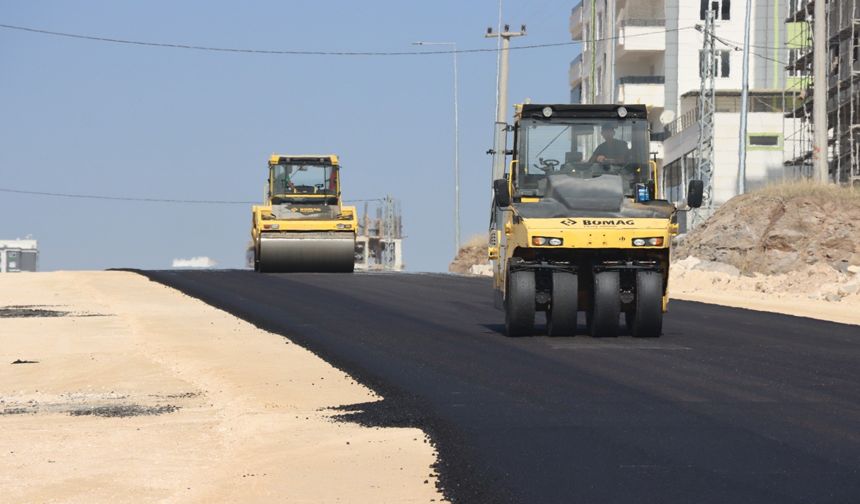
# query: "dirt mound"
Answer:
x=781 y=229
x=472 y=258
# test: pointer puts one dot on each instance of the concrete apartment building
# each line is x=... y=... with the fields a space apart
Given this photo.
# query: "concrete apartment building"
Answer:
x=647 y=51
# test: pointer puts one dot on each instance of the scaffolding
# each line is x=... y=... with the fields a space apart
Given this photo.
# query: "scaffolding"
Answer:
x=379 y=244
x=797 y=126
x=843 y=89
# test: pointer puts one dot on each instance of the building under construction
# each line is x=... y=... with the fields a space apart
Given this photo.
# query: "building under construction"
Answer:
x=843 y=88
x=379 y=244
x=18 y=255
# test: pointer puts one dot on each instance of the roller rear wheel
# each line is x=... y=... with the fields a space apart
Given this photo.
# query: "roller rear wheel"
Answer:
x=561 y=318
x=647 y=319
x=520 y=304
x=605 y=305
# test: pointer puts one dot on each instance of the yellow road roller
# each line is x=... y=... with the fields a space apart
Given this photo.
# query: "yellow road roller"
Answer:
x=303 y=224
x=578 y=223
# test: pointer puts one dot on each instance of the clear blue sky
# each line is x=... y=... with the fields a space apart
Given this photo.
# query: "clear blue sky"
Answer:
x=79 y=116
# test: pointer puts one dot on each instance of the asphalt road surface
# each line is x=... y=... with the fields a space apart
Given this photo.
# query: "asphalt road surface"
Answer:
x=728 y=406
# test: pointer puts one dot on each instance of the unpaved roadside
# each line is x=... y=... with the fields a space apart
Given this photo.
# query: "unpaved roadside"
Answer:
x=798 y=294
x=128 y=391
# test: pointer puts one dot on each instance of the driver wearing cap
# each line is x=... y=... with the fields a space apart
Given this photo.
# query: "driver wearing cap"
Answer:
x=611 y=151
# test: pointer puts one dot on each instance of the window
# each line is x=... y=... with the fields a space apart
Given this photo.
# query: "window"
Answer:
x=303 y=178
x=585 y=38
x=834 y=59
x=722 y=9
x=855 y=47
x=764 y=141
x=793 y=56
x=598 y=84
x=728 y=103
x=722 y=63
x=723 y=58
x=572 y=147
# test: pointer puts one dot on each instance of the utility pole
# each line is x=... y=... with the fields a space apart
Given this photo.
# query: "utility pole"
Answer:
x=453 y=46
x=819 y=94
x=500 y=139
x=745 y=92
x=705 y=168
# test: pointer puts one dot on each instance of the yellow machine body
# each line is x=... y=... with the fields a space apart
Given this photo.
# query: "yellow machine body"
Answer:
x=571 y=233
x=303 y=224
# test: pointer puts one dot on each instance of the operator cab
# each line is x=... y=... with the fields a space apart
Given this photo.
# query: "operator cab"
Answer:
x=582 y=142
x=303 y=180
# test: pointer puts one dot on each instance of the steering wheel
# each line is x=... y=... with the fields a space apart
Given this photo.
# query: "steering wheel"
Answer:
x=547 y=165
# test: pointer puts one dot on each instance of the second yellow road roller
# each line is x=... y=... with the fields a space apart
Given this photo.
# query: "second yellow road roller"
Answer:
x=578 y=222
x=303 y=224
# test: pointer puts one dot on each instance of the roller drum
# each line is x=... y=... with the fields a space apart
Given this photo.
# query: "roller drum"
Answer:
x=310 y=252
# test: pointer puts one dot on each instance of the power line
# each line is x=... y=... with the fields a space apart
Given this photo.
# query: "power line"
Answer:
x=127 y=198
x=302 y=52
x=739 y=47
x=150 y=200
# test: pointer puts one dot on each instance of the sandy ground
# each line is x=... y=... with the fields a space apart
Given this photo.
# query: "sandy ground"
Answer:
x=141 y=394
x=817 y=292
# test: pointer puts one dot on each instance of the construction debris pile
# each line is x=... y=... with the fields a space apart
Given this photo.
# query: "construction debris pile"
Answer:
x=472 y=258
x=791 y=238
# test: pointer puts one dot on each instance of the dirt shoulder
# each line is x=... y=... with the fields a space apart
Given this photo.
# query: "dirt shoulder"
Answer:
x=818 y=291
x=128 y=391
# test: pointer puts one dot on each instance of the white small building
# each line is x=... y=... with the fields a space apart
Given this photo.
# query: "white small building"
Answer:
x=18 y=255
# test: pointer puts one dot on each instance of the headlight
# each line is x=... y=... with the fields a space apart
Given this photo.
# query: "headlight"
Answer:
x=622 y=112
x=344 y=226
x=547 y=112
x=543 y=240
x=650 y=242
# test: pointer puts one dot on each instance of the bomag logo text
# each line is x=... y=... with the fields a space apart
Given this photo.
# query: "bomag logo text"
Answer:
x=607 y=222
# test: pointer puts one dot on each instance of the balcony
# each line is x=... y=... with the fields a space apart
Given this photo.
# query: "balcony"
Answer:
x=642 y=89
x=576 y=22
x=642 y=34
x=576 y=71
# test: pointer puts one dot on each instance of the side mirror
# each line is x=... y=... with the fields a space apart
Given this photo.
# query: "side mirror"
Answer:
x=503 y=195
x=695 y=193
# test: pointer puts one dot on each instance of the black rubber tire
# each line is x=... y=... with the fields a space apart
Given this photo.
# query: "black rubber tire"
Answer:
x=561 y=317
x=520 y=304
x=629 y=317
x=648 y=318
x=605 y=305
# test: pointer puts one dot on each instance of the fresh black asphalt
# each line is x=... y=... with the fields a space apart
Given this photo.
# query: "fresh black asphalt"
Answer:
x=728 y=406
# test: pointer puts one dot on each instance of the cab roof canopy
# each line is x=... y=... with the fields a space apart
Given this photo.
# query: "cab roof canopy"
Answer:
x=326 y=159
x=565 y=111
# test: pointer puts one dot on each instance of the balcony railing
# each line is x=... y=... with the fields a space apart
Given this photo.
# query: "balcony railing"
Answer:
x=642 y=79
x=683 y=122
x=643 y=22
